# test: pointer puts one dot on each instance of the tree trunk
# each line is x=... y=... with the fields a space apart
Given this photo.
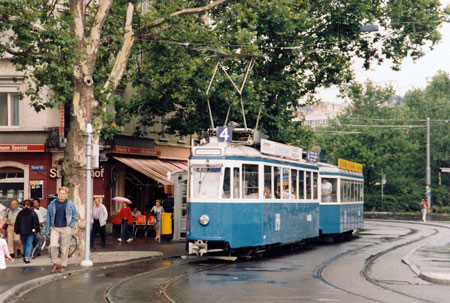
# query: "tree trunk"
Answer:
x=74 y=165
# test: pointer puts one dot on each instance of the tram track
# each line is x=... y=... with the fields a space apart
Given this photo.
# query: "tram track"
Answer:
x=370 y=261
x=190 y=268
x=186 y=268
x=165 y=276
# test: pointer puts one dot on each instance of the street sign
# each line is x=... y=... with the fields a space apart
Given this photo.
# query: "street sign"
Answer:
x=37 y=167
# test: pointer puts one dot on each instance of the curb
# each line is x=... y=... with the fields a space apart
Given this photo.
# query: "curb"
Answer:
x=22 y=288
x=433 y=277
x=437 y=278
x=411 y=265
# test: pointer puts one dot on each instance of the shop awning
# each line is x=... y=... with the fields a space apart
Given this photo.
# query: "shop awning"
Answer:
x=158 y=170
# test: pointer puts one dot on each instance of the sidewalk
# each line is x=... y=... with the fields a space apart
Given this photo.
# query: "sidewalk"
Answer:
x=114 y=252
x=19 y=276
x=431 y=262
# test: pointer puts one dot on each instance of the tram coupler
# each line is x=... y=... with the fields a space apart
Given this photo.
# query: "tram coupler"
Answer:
x=198 y=247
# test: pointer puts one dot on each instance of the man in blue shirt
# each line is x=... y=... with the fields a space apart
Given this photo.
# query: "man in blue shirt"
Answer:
x=61 y=219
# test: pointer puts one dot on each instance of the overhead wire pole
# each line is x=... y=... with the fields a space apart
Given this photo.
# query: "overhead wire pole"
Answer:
x=428 y=169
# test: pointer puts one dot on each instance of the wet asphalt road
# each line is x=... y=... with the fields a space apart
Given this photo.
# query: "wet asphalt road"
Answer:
x=367 y=268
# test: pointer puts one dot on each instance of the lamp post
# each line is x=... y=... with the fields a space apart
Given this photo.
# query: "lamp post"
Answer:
x=87 y=262
x=428 y=169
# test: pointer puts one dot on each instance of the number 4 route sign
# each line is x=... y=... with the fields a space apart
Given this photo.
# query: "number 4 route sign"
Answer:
x=224 y=133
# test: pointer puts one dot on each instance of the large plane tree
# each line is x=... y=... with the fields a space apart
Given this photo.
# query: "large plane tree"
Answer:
x=77 y=52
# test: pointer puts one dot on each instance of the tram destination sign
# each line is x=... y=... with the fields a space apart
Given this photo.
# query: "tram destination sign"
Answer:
x=349 y=165
x=312 y=156
x=280 y=150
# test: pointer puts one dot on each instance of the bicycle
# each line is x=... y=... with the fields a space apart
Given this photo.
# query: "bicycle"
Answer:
x=45 y=239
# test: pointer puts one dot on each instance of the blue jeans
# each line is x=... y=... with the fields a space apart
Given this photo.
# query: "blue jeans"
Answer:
x=27 y=242
x=124 y=232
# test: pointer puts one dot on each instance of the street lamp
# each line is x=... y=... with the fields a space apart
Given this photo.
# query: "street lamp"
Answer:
x=87 y=262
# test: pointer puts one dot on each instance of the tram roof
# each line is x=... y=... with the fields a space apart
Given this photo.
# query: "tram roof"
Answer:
x=240 y=150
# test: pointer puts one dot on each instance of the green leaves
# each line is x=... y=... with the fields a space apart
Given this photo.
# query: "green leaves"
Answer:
x=384 y=146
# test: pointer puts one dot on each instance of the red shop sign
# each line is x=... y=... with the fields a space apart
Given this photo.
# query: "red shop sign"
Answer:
x=22 y=148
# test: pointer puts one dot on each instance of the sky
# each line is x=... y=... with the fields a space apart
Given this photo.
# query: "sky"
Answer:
x=412 y=74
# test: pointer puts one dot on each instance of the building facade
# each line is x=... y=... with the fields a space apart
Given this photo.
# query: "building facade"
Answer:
x=32 y=150
x=318 y=115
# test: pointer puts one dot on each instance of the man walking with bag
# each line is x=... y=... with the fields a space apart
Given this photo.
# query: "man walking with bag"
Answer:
x=61 y=219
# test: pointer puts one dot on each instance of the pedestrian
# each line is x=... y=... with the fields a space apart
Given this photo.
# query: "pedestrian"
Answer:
x=126 y=216
x=99 y=217
x=136 y=212
x=27 y=225
x=40 y=211
x=4 y=252
x=326 y=190
x=424 y=209
x=2 y=211
x=156 y=211
x=61 y=219
x=14 y=243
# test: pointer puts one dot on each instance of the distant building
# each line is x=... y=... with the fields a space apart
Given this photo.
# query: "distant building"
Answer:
x=318 y=114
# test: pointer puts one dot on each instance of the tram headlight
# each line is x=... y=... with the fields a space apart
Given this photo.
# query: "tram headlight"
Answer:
x=204 y=220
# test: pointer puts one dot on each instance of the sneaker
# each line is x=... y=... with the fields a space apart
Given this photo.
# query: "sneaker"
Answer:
x=120 y=240
x=130 y=240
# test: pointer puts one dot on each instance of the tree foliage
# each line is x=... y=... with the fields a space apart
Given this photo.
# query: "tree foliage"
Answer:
x=391 y=140
x=304 y=45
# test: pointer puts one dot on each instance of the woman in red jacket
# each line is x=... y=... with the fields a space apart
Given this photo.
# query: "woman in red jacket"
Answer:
x=126 y=216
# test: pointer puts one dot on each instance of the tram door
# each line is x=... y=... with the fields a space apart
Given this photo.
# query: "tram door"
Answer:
x=180 y=205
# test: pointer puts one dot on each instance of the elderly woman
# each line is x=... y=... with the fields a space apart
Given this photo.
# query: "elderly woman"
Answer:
x=27 y=225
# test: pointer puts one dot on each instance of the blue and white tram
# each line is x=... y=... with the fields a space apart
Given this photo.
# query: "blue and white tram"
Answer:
x=341 y=200
x=242 y=198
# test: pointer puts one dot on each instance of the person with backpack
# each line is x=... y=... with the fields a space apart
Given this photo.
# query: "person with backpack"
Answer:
x=27 y=225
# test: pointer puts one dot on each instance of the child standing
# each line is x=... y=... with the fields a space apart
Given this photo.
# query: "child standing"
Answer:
x=4 y=252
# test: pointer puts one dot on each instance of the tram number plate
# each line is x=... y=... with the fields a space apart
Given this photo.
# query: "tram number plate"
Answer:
x=225 y=133
x=277 y=222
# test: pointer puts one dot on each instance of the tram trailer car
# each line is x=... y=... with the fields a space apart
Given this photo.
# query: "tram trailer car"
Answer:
x=242 y=200
x=342 y=199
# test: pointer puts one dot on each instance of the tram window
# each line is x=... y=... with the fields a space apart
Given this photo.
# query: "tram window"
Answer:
x=361 y=191
x=308 y=185
x=286 y=190
x=346 y=191
x=250 y=180
x=294 y=190
x=277 y=182
x=328 y=190
x=315 y=191
x=206 y=182
x=355 y=191
x=301 y=184
x=226 y=183
x=236 y=183
x=267 y=182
